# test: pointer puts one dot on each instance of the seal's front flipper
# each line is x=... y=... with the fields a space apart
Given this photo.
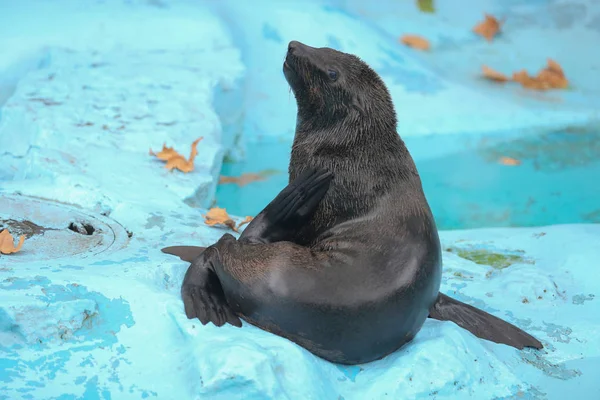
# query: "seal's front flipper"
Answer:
x=480 y=323
x=290 y=209
x=185 y=253
x=203 y=295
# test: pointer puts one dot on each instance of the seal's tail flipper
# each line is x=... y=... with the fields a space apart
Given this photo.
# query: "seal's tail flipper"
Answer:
x=186 y=253
x=480 y=323
x=202 y=293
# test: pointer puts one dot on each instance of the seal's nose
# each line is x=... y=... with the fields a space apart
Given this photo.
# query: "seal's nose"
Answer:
x=295 y=46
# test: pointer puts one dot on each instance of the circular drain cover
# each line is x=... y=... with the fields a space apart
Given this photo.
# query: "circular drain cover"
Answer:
x=55 y=230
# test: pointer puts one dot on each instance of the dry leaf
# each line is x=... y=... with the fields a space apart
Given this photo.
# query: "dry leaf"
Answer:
x=219 y=216
x=489 y=73
x=551 y=77
x=165 y=153
x=488 y=28
x=246 y=220
x=245 y=179
x=176 y=160
x=241 y=180
x=7 y=243
x=416 y=42
x=554 y=67
x=509 y=161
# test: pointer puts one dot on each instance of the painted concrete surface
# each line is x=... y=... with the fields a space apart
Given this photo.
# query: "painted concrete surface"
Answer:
x=81 y=104
x=423 y=85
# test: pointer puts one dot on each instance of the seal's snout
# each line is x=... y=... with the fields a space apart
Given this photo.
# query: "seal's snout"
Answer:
x=298 y=49
x=293 y=46
x=294 y=50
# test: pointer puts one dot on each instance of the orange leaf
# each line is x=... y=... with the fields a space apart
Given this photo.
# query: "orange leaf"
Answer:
x=552 y=80
x=245 y=179
x=490 y=74
x=242 y=180
x=551 y=77
x=520 y=76
x=7 y=243
x=488 y=28
x=527 y=81
x=216 y=216
x=554 y=67
x=180 y=163
x=416 y=42
x=246 y=220
x=509 y=161
x=165 y=153
x=176 y=160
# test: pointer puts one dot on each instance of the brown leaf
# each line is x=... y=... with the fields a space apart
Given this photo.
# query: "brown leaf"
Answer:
x=246 y=220
x=7 y=243
x=509 y=161
x=554 y=67
x=416 y=42
x=165 y=153
x=247 y=178
x=219 y=216
x=529 y=82
x=551 y=77
x=176 y=160
x=488 y=28
x=490 y=74
x=241 y=180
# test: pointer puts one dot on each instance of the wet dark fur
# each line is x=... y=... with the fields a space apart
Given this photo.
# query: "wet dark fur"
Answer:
x=353 y=275
x=348 y=126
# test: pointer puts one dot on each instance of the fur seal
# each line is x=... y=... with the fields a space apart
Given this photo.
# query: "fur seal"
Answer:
x=346 y=260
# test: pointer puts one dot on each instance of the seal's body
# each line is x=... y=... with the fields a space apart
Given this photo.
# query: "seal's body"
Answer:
x=346 y=260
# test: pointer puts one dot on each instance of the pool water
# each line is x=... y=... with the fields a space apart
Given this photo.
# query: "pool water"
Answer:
x=467 y=186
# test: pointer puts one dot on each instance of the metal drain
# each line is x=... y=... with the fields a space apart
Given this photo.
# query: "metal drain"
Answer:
x=55 y=230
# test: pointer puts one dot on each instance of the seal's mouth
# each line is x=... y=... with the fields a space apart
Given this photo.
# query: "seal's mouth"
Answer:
x=290 y=72
x=295 y=51
x=295 y=64
x=289 y=64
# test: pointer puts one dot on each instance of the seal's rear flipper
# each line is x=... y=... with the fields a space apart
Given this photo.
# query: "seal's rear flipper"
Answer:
x=202 y=294
x=186 y=253
x=480 y=323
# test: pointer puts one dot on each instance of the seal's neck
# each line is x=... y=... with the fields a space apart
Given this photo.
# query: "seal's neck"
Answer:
x=369 y=143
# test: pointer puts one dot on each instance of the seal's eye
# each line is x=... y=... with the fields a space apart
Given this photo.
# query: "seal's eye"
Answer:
x=332 y=74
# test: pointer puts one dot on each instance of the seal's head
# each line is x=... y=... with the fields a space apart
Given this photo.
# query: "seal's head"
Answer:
x=333 y=87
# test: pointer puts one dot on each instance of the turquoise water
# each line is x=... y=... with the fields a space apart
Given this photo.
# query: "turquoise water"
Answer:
x=470 y=187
